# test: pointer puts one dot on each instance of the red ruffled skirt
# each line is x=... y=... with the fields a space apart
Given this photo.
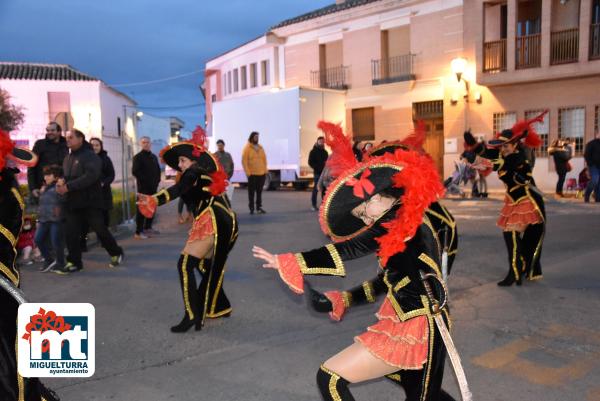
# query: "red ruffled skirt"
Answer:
x=202 y=228
x=404 y=345
x=517 y=216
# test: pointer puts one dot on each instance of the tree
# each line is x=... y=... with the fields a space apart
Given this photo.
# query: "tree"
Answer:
x=11 y=117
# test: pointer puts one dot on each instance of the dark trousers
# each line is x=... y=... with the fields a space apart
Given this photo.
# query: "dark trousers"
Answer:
x=53 y=231
x=561 y=181
x=255 y=186
x=93 y=217
x=315 y=192
x=524 y=251
x=85 y=227
x=593 y=185
x=142 y=223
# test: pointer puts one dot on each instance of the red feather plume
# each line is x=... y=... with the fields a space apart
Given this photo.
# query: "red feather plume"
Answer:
x=525 y=127
x=342 y=157
x=199 y=139
x=422 y=186
x=219 y=182
x=416 y=139
x=6 y=147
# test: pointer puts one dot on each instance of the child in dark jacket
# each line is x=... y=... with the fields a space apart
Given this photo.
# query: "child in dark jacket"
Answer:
x=50 y=221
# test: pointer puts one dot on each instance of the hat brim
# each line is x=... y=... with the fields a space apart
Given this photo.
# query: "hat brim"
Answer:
x=336 y=218
x=170 y=155
x=23 y=156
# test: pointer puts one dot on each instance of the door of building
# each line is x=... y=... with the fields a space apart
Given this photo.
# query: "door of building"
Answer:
x=432 y=115
x=434 y=142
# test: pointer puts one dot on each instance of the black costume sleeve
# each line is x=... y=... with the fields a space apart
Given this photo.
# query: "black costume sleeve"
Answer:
x=328 y=260
x=187 y=181
x=367 y=292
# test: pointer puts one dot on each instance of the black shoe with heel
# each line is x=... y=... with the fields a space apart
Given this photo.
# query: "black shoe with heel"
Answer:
x=185 y=325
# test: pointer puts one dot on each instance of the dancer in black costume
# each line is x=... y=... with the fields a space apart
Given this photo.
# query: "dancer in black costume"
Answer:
x=13 y=387
x=378 y=207
x=213 y=234
x=523 y=217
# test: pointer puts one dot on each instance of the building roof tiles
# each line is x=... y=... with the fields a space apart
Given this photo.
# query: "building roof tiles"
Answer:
x=333 y=8
x=40 y=72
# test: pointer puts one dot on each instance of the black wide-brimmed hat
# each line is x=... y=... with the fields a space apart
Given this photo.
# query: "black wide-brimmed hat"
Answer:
x=17 y=154
x=170 y=155
x=195 y=149
x=506 y=136
x=387 y=147
x=350 y=190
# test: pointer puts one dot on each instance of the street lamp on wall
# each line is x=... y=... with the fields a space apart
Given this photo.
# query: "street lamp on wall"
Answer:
x=458 y=66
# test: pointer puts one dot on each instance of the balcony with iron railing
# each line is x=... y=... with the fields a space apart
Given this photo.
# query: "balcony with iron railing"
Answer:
x=595 y=41
x=330 y=78
x=564 y=46
x=528 y=51
x=494 y=56
x=393 y=69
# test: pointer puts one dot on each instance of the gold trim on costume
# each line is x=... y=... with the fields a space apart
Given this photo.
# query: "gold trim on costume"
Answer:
x=335 y=395
x=17 y=195
x=186 y=296
x=347 y=298
x=368 y=289
x=514 y=255
x=395 y=377
x=423 y=257
x=402 y=283
x=219 y=314
x=9 y=236
x=429 y=357
x=10 y=274
x=338 y=270
x=165 y=193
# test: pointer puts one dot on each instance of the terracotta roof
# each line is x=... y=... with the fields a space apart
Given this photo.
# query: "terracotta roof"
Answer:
x=333 y=8
x=45 y=72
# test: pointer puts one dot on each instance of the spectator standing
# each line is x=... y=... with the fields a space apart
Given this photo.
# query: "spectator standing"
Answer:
x=592 y=160
x=146 y=171
x=357 y=152
x=227 y=162
x=107 y=176
x=254 y=161
x=50 y=221
x=561 y=151
x=82 y=169
x=50 y=150
x=316 y=160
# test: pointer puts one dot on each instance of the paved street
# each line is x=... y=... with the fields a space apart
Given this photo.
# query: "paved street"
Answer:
x=540 y=341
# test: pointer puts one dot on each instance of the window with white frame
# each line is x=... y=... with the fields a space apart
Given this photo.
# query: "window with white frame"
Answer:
x=244 y=77
x=504 y=121
x=235 y=80
x=543 y=130
x=264 y=72
x=229 y=83
x=253 y=76
x=571 y=124
x=224 y=84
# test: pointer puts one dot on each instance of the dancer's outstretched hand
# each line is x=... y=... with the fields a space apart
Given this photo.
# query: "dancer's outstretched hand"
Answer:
x=260 y=253
x=147 y=205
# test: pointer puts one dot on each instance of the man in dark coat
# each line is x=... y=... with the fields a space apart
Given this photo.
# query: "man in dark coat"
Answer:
x=146 y=171
x=316 y=160
x=50 y=150
x=592 y=160
x=82 y=169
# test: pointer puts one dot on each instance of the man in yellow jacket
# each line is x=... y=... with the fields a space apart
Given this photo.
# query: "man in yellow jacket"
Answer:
x=254 y=161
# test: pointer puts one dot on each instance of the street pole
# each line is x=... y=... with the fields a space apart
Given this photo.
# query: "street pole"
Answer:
x=123 y=168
